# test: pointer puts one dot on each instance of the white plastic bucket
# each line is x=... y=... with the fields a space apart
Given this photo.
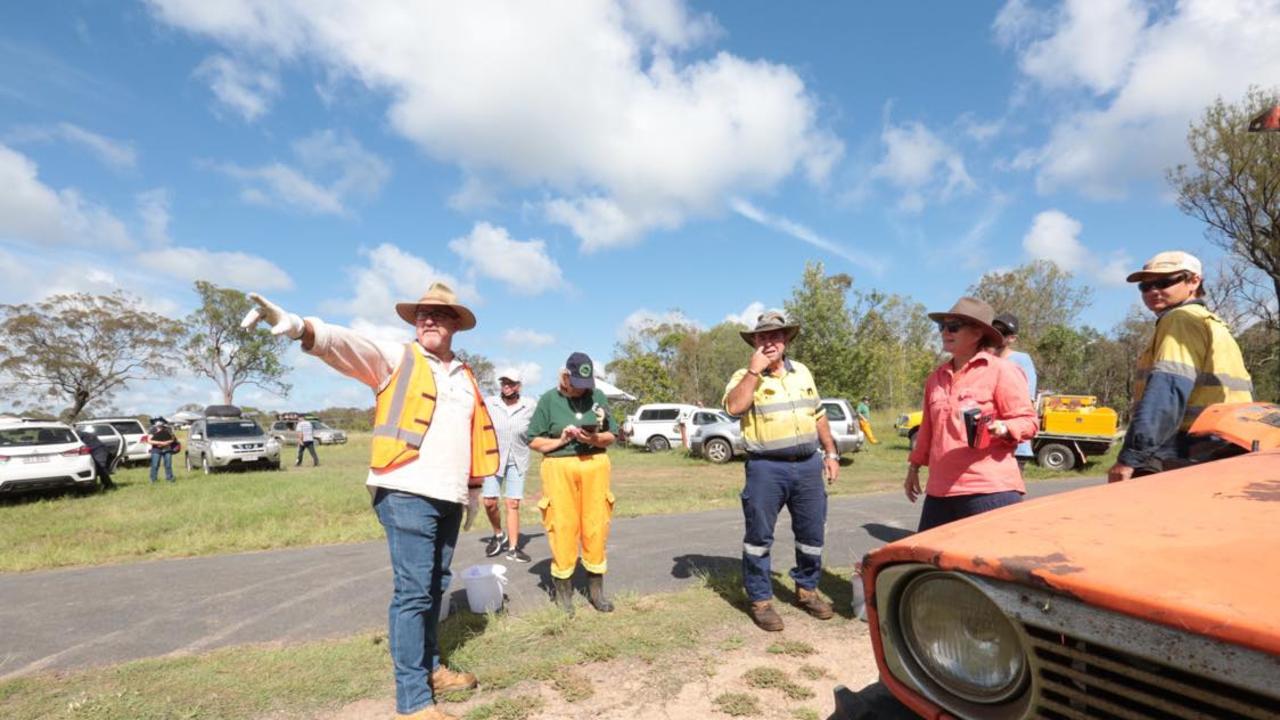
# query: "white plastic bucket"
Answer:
x=485 y=585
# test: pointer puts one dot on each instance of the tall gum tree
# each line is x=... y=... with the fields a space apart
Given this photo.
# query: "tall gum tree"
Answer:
x=232 y=356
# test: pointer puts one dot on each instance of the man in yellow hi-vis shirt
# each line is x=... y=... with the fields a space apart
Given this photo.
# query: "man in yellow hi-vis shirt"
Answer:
x=1191 y=363
x=785 y=430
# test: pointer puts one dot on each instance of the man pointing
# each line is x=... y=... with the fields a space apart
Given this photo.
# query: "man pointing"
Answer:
x=432 y=439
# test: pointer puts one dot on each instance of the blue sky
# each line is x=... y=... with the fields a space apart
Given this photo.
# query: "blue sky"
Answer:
x=577 y=169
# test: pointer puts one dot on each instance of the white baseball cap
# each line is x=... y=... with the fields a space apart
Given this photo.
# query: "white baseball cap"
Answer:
x=1167 y=263
x=512 y=374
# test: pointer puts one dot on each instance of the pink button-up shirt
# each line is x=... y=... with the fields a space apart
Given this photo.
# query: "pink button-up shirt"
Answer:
x=999 y=389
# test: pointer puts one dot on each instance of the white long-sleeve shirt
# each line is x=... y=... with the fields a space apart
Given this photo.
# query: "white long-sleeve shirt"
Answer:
x=443 y=465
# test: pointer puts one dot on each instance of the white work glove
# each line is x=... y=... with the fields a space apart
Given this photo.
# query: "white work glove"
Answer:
x=473 y=507
x=281 y=322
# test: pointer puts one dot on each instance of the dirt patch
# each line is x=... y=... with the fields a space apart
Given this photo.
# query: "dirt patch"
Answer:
x=685 y=686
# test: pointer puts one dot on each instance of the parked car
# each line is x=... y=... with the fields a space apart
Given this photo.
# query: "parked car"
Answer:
x=135 y=436
x=286 y=432
x=42 y=454
x=714 y=435
x=653 y=426
x=1154 y=597
x=225 y=439
x=908 y=425
x=844 y=425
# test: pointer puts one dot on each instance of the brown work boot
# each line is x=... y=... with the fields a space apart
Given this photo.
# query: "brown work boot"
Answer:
x=811 y=602
x=765 y=617
x=445 y=680
x=430 y=712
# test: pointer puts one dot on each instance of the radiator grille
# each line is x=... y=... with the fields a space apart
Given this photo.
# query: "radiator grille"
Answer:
x=1081 y=679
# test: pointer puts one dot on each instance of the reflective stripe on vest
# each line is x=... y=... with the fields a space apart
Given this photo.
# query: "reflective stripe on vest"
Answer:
x=403 y=412
x=784 y=413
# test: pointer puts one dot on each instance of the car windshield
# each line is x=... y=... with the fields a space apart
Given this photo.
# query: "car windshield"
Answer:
x=834 y=411
x=31 y=437
x=132 y=427
x=316 y=424
x=239 y=428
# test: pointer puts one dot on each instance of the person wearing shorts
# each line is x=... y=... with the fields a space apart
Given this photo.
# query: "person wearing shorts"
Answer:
x=511 y=414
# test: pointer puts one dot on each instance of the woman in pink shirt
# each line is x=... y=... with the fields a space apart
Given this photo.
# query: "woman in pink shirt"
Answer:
x=976 y=410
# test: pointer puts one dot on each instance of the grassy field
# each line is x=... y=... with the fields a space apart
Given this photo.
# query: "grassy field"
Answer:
x=243 y=511
x=661 y=642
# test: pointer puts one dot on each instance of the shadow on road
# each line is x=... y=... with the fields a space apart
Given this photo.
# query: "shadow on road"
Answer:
x=886 y=533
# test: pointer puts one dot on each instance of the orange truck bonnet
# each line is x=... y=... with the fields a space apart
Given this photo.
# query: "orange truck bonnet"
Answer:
x=1197 y=549
x=1241 y=424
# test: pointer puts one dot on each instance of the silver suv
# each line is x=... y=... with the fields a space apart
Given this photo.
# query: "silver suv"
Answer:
x=844 y=425
x=224 y=439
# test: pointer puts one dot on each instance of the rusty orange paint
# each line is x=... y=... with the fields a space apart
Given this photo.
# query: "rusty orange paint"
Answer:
x=1196 y=549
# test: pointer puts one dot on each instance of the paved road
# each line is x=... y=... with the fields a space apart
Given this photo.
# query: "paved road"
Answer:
x=68 y=619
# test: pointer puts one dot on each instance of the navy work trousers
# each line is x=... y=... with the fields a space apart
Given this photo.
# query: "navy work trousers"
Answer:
x=772 y=485
x=942 y=510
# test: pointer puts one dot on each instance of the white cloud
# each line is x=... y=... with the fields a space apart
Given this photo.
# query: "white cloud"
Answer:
x=391 y=275
x=619 y=129
x=748 y=316
x=29 y=277
x=525 y=267
x=920 y=164
x=246 y=90
x=116 y=154
x=525 y=338
x=153 y=209
x=229 y=269
x=1055 y=236
x=804 y=234
x=34 y=213
x=644 y=319
x=1131 y=93
x=334 y=170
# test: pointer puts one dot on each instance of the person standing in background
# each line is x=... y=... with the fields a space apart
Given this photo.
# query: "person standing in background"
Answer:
x=511 y=414
x=161 y=440
x=864 y=419
x=1007 y=325
x=306 y=441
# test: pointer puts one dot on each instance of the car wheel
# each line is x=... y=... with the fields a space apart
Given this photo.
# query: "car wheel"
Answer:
x=657 y=443
x=911 y=440
x=718 y=450
x=276 y=466
x=1056 y=456
x=205 y=466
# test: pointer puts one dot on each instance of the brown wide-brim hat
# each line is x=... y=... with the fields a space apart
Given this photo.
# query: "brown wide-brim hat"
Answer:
x=976 y=311
x=438 y=295
x=770 y=320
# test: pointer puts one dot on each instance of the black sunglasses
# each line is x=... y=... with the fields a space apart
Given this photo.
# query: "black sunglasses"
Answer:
x=1161 y=284
x=951 y=326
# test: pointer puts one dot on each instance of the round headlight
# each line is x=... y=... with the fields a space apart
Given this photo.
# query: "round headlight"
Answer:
x=961 y=639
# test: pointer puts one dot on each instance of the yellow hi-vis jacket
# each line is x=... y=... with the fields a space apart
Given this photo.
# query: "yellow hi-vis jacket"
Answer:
x=784 y=413
x=402 y=417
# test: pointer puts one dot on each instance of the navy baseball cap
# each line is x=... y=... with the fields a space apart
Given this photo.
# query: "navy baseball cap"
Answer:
x=582 y=372
x=1006 y=324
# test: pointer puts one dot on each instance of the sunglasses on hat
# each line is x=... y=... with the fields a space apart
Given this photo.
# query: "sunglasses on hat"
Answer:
x=1161 y=284
x=951 y=326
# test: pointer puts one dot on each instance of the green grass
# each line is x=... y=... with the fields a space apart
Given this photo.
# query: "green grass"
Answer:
x=737 y=704
x=668 y=638
x=763 y=678
x=245 y=511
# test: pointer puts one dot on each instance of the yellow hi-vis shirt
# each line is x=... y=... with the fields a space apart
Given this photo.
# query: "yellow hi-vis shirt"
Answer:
x=1192 y=343
x=784 y=413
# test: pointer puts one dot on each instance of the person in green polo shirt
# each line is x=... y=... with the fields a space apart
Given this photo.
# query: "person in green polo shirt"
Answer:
x=571 y=427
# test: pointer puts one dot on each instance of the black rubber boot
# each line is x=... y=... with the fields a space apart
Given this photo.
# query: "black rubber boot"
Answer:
x=563 y=595
x=595 y=593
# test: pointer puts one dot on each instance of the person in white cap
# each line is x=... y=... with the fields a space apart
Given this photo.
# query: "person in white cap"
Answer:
x=433 y=439
x=511 y=413
x=1191 y=363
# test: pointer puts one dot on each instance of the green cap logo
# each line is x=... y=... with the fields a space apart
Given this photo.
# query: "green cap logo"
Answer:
x=584 y=370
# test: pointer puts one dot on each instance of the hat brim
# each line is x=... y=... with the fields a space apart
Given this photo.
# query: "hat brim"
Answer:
x=748 y=335
x=992 y=334
x=408 y=311
x=582 y=383
x=1151 y=275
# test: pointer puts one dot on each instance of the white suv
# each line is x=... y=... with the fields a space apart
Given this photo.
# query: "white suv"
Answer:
x=655 y=427
x=39 y=454
x=135 y=437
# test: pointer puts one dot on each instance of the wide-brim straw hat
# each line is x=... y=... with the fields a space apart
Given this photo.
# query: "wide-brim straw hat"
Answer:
x=438 y=295
x=770 y=320
x=975 y=311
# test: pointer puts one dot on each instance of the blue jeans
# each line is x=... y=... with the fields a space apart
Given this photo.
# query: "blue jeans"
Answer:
x=421 y=535
x=942 y=510
x=168 y=465
x=771 y=485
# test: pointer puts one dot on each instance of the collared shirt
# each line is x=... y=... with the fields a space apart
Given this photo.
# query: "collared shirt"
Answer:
x=306 y=432
x=511 y=422
x=556 y=411
x=785 y=408
x=999 y=389
x=1028 y=368
x=443 y=465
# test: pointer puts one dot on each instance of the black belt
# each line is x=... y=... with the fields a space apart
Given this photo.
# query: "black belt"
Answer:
x=781 y=458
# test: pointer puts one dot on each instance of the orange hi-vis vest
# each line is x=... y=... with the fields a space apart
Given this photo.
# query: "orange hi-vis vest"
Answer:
x=403 y=414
